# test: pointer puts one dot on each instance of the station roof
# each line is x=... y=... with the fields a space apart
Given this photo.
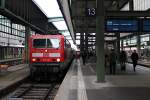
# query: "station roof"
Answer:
x=83 y=23
x=52 y=10
x=78 y=10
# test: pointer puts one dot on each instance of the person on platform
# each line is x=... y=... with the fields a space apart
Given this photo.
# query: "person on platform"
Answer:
x=113 y=59
x=123 y=59
x=134 y=58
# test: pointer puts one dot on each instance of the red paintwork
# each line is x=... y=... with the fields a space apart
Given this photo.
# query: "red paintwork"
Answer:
x=49 y=50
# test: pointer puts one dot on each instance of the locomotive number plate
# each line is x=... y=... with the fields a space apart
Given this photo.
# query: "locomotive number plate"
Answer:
x=46 y=54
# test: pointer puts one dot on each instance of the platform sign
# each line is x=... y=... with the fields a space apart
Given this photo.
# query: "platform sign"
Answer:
x=146 y=25
x=121 y=25
x=91 y=12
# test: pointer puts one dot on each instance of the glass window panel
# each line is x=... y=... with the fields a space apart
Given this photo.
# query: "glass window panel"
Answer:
x=0 y=20
x=39 y=43
x=53 y=43
x=14 y=26
x=77 y=33
x=13 y=31
x=9 y=30
x=3 y=28
x=133 y=41
x=6 y=29
x=125 y=8
x=141 y=4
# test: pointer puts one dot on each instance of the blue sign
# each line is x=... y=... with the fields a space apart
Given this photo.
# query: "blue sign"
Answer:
x=146 y=25
x=121 y=25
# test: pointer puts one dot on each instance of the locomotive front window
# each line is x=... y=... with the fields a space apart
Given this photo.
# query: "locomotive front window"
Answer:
x=53 y=43
x=39 y=43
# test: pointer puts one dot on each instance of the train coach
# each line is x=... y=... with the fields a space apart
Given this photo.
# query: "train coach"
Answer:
x=49 y=54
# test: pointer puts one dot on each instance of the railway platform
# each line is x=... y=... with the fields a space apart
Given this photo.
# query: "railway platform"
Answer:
x=12 y=76
x=80 y=84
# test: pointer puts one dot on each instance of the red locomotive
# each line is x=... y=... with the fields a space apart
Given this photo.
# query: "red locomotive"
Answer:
x=49 y=54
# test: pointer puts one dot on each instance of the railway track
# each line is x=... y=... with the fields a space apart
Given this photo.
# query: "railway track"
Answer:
x=35 y=92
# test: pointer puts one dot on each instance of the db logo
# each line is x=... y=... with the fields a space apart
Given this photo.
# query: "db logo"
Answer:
x=46 y=55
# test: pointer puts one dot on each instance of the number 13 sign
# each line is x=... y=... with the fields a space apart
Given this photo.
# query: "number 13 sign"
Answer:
x=90 y=11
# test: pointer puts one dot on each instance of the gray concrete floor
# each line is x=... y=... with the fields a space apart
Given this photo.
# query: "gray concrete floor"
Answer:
x=128 y=85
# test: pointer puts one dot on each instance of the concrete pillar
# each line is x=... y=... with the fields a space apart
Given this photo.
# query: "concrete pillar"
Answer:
x=131 y=5
x=27 y=35
x=2 y=3
x=115 y=45
x=82 y=42
x=122 y=44
x=86 y=42
x=149 y=37
x=118 y=45
x=138 y=44
x=100 y=68
x=131 y=8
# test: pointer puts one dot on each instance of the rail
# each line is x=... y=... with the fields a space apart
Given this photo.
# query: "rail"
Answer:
x=34 y=92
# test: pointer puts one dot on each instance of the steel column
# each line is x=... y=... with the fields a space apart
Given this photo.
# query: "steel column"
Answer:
x=86 y=42
x=27 y=35
x=118 y=46
x=122 y=44
x=131 y=5
x=2 y=3
x=100 y=68
x=149 y=37
x=139 y=44
x=82 y=42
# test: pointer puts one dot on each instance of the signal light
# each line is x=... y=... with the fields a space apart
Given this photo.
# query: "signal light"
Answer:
x=58 y=60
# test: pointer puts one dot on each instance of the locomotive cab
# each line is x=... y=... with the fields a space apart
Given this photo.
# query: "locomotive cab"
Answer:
x=46 y=50
x=47 y=54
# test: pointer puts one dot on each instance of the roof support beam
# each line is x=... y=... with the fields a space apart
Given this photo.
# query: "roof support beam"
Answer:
x=63 y=31
x=95 y=35
x=110 y=14
x=9 y=13
x=127 y=14
x=55 y=19
x=64 y=7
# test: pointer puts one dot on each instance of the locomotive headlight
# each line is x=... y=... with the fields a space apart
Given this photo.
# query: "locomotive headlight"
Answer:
x=33 y=59
x=45 y=50
x=58 y=60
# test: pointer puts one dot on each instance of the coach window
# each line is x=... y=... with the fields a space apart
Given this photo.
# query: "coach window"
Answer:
x=53 y=43
x=39 y=43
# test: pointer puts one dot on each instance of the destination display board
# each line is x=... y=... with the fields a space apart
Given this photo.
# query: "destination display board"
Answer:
x=121 y=25
x=146 y=25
